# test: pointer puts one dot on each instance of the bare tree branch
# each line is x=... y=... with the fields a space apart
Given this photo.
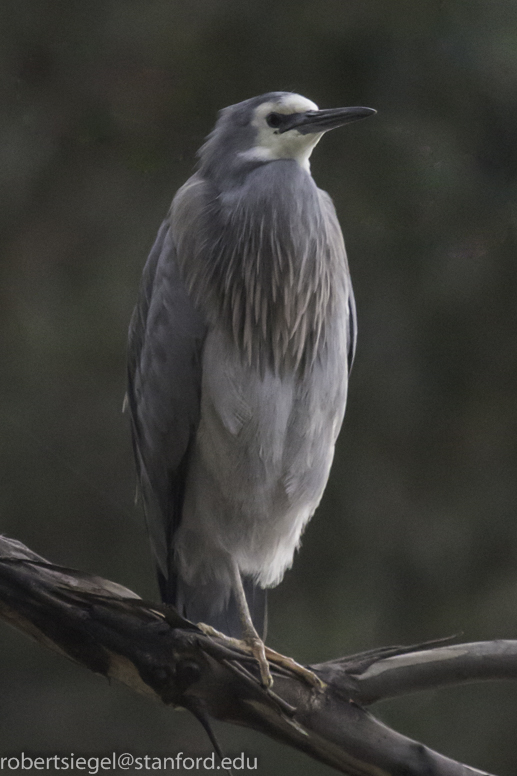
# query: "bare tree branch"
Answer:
x=153 y=650
x=377 y=676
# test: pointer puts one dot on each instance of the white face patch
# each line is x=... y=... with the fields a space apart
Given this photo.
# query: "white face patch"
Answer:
x=291 y=144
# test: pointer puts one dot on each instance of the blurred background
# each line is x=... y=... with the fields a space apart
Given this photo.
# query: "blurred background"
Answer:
x=104 y=104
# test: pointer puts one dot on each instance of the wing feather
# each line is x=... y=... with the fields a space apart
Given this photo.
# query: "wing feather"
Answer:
x=164 y=383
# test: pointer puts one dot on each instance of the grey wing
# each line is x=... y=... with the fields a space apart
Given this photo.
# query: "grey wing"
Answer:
x=352 y=329
x=338 y=248
x=164 y=384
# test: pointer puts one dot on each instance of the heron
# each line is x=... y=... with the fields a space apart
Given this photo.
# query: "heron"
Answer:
x=240 y=348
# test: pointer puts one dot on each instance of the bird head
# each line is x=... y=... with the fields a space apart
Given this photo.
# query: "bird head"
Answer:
x=277 y=125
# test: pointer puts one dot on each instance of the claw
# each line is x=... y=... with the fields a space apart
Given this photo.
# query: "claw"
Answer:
x=291 y=665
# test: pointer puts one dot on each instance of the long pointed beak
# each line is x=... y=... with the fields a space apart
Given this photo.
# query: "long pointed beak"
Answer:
x=313 y=121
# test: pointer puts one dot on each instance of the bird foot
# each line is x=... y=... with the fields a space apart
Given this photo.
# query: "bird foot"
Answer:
x=289 y=664
x=263 y=654
x=251 y=643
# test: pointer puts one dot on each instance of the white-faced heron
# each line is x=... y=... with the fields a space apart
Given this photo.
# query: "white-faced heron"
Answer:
x=240 y=347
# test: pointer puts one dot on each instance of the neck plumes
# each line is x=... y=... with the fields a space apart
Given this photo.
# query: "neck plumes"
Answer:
x=274 y=266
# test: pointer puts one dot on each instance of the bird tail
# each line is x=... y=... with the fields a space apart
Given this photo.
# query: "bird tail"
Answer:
x=205 y=603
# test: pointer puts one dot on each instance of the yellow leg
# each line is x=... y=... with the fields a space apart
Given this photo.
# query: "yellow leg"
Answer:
x=254 y=644
x=251 y=637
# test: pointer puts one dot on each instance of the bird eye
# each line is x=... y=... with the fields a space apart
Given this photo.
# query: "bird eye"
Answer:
x=274 y=120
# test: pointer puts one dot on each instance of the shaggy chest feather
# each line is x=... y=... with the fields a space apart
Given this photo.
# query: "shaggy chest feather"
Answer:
x=273 y=271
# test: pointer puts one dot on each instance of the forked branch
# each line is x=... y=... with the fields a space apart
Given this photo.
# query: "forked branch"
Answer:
x=110 y=630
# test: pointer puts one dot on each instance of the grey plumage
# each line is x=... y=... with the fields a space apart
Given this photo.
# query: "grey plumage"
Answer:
x=239 y=351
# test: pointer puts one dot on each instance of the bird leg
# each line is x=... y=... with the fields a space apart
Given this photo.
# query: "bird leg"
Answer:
x=251 y=637
x=257 y=646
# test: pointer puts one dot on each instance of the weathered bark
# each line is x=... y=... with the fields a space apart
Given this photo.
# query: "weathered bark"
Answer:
x=153 y=650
